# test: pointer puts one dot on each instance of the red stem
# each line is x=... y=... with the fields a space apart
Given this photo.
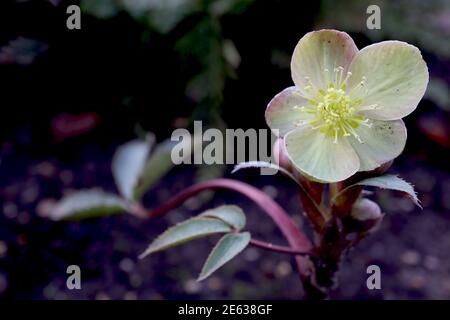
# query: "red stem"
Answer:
x=279 y=249
x=296 y=238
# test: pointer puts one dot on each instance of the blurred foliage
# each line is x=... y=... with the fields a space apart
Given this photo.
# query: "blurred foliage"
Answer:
x=136 y=167
x=431 y=21
x=438 y=92
x=89 y=203
x=208 y=57
x=196 y=27
x=22 y=51
x=163 y=15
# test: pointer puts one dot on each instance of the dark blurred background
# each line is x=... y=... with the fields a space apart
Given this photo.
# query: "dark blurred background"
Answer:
x=70 y=97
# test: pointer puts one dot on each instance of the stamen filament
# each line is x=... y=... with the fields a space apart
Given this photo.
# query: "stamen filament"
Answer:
x=334 y=112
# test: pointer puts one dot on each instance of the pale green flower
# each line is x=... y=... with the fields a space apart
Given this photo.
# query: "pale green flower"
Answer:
x=344 y=113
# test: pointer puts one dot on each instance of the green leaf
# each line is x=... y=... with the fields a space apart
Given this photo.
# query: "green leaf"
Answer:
x=87 y=204
x=157 y=165
x=190 y=229
x=232 y=215
x=263 y=165
x=387 y=181
x=226 y=249
x=128 y=165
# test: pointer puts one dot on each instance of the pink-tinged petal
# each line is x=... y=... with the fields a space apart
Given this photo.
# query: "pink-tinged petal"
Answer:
x=396 y=79
x=317 y=156
x=382 y=142
x=283 y=112
x=317 y=52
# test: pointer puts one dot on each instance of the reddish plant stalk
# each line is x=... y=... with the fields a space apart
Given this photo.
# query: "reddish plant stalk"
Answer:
x=279 y=249
x=296 y=238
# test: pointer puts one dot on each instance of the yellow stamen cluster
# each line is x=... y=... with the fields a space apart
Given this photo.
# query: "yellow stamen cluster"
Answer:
x=333 y=112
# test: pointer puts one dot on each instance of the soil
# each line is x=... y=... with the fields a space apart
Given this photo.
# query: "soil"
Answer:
x=410 y=248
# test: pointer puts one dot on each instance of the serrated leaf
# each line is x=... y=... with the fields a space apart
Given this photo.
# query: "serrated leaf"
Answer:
x=188 y=230
x=87 y=204
x=388 y=181
x=263 y=165
x=128 y=165
x=232 y=215
x=226 y=249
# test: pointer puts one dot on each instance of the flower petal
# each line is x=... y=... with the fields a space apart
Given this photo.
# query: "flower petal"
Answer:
x=317 y=51
x=396 y=79
x=280 y=112
x=384 y=141
x=317 y=156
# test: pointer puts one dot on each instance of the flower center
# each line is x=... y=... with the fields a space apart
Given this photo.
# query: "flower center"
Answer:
x=332 y=111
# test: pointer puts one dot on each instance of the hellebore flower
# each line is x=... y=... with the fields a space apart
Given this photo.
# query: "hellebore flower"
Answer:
x=344 y=113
